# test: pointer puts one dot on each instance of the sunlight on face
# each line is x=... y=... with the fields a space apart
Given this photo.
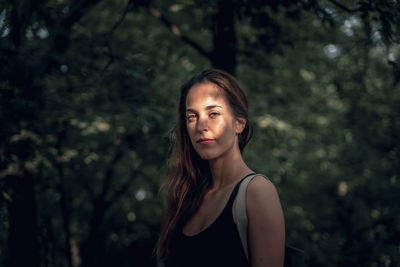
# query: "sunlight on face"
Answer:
x=210 y=122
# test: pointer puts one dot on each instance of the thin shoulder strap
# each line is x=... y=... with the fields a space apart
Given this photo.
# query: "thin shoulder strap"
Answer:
x=241 y=215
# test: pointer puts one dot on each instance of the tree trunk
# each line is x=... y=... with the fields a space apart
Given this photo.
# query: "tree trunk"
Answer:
x=65 y=211
x=22 y=236
x=93 y=247
x=224 y=37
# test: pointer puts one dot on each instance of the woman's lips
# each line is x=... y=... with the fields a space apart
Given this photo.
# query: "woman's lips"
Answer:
x=205 y=141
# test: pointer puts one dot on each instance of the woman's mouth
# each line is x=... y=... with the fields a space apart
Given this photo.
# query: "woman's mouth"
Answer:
x=205 y=141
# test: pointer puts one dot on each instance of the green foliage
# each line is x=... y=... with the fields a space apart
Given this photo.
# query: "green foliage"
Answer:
x=88 y=93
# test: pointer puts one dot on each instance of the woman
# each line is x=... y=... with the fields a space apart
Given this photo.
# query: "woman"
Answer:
x=206 y=169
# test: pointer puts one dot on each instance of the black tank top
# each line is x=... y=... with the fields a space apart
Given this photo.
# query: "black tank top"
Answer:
x=218 y=245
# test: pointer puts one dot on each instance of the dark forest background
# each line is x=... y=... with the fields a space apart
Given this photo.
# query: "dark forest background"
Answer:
x=88 y=92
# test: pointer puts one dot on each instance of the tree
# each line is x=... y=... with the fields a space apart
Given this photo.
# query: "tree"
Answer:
x=87 y=98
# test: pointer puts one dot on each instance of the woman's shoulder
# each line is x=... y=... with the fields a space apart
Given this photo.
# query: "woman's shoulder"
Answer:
x=260 y=183
x=261 y=190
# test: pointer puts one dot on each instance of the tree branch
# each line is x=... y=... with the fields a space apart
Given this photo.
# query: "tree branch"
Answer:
x=6 y=196
x=175 y=31
x=5 y=173
x=87 y=188
x=110 y=173
x=113 y=29
x=77 y=10
x=341 y=6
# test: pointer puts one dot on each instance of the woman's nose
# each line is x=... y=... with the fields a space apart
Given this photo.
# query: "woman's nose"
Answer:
x=202 y=124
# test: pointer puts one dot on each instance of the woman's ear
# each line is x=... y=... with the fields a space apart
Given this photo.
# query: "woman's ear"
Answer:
x=240 y=125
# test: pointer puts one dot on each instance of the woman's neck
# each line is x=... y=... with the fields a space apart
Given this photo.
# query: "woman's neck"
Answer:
x=227 y=170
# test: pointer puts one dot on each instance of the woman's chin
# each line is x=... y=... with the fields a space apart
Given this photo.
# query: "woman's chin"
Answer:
x=207 y=156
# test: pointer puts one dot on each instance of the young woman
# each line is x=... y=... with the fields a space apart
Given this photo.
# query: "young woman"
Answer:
x=206 y=169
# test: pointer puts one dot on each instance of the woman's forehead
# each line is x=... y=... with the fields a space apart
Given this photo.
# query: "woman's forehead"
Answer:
x=205 y=93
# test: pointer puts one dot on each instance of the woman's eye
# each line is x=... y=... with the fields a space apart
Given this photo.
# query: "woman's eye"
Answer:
x=214 y=114
x=191 y=117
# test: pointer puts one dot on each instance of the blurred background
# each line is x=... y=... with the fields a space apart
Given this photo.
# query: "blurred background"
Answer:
x=88 y=93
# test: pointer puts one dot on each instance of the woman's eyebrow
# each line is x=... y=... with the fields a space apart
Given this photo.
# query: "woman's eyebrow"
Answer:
x=206 y=108
x=212 y=107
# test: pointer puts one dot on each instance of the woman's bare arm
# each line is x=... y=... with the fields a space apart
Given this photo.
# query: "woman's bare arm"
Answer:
x=266 y=233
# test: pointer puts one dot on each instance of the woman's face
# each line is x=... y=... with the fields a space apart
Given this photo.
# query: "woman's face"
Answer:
x=210 y=122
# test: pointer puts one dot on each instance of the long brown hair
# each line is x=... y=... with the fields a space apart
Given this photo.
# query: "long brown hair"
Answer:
x=190 y=175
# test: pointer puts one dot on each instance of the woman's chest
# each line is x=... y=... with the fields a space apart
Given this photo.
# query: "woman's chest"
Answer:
x=218 y=245
x=211 y=208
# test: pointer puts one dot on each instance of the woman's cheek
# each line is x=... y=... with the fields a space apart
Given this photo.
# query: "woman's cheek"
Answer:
x=219 y=128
